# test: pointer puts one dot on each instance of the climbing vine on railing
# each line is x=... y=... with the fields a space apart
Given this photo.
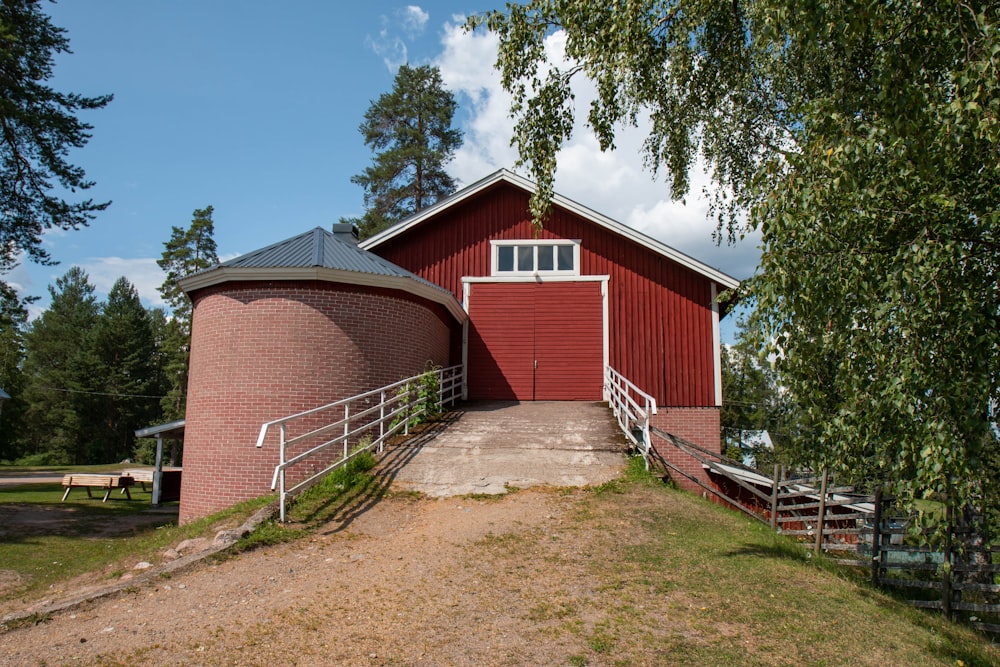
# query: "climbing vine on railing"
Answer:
x=425 y=393
x=429 y=393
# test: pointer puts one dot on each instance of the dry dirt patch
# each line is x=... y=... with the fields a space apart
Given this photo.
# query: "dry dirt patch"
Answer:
x=538 y=577
x=23 y=519
x=394 y=588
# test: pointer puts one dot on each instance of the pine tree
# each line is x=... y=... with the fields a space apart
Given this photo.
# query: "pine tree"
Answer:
x=62 y=417
x=13 y=321
x=409 y=128
x=40 y=128
x=125 y=352
x=187 y=252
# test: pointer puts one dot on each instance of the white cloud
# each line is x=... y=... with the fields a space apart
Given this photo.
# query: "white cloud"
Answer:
x=414 y=20
x=391 y=42
x=19 y=277
x=614 y=183
x=390 y=48
x=466 y=65
x=142 y=272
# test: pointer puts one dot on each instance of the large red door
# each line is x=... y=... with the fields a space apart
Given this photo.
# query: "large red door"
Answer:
x=536 y=341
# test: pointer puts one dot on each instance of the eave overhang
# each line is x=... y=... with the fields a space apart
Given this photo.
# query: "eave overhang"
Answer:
x=223 y=274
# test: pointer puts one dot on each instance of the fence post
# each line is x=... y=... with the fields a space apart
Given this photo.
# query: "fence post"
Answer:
x=821 y=515
x=774 y=500
x=877 y=537
x=946 y=584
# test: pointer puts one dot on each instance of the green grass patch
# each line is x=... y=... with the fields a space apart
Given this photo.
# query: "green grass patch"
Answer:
x=44 y=541
x=7 y=470
x=84 y=535
x=266 y=534
x=345 y=488
x=332 y=494
x=645 y=574
x=47 y=494
x=635 y=473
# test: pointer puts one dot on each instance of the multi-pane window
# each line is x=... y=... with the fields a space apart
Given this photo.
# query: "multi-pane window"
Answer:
x=529 y=258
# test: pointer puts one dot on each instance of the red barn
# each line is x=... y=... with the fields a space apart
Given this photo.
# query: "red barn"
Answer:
x=549 y=309
x=532 y=314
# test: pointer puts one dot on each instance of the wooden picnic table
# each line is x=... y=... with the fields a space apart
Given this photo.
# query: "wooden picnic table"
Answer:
x=142 y=476
x=106 y=481
x=170 y=481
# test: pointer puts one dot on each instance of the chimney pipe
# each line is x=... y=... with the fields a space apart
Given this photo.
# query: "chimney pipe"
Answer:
x=346 y=232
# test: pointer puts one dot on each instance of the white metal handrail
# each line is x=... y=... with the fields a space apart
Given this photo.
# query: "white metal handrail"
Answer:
x=632 y=408
x=398 y=405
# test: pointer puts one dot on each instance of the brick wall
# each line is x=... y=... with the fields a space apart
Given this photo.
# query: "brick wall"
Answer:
x=700 y=426
x=265 y=350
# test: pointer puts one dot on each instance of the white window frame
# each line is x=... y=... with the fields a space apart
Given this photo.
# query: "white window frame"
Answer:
x=535 y=243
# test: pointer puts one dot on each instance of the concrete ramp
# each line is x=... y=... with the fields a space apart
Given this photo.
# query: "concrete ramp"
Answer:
x=486 y=447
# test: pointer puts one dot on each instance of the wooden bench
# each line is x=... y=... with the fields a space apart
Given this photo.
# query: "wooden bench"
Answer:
x=107 y=482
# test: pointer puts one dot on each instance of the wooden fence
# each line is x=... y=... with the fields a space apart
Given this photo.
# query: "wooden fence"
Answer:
x=811 y=508
x=954 y=573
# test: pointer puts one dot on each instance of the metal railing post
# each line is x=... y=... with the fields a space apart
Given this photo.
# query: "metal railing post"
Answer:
x=406 y=409
x=381 y=421
x=281 y=477
x=440 y=374
x=646 y=441
x=347 y=425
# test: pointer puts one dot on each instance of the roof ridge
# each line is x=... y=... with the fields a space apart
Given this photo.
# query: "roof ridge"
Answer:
x=319 y=242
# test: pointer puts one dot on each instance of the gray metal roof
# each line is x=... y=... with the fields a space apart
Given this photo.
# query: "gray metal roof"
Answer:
x=169 y=429
x=319 y=248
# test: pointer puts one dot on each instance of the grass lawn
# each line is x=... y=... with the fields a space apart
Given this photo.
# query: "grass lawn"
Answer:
x=14 y=471
x=637 y=573
x=45 y=542
x=675 y=579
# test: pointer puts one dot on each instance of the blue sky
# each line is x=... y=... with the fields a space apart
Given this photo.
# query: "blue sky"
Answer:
x=253 y=107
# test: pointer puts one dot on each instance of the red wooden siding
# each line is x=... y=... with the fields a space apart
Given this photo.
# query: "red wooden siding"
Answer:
x=535 y=341
x=660 y=313
x=501 y=342
x=569 y=341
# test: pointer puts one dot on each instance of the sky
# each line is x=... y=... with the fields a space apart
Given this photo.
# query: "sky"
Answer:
x=253 y=107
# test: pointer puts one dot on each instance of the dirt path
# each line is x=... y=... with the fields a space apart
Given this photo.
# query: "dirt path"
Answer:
x=632 y=575
x=397 y=586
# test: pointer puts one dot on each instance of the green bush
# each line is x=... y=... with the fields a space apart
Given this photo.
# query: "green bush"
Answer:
x=42 y=459
x=144 y=451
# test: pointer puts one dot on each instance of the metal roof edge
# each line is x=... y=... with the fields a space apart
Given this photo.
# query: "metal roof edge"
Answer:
x=177 y=425
x=648 y=242
x=407 y=284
